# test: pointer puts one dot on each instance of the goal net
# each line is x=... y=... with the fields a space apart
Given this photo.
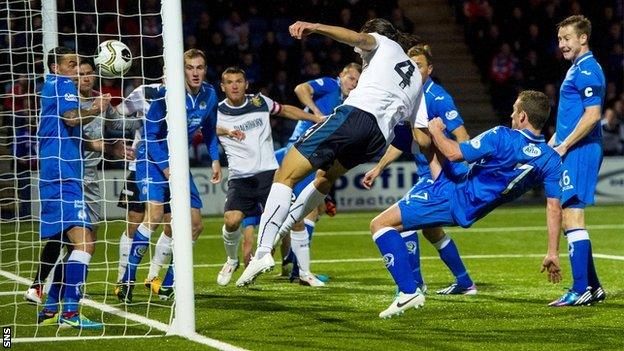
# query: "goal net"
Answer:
x=29 y=29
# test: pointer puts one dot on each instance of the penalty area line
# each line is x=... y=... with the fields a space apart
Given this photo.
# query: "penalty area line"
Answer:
x=219 y=345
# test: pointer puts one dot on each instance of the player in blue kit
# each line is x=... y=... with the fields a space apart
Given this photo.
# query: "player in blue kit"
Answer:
x=578 y=140
x=320 y=96
x=63 y=213
x=439 y=104
x=506 y=163
x=153 y=168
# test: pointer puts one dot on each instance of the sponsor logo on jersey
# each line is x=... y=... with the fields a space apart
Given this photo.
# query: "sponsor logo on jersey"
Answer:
x=248 y=125
x=451 y=115
x=388 y=259
x=531 y=150
x=71 y=97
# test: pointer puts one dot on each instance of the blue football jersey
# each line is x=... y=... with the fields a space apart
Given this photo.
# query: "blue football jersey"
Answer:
x=60 y=146
x=326 y=96
x=201 y=112
x=439 y=104
x=506 y=163
x=583 y=86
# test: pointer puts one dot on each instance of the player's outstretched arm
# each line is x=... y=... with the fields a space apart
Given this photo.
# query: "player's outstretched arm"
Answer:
x=292 y=112
x=586 y=124
x=449 y=148
x=363 y=41
x=305 y=94
x=391 y=155
x=78 y=117
x=553 y=220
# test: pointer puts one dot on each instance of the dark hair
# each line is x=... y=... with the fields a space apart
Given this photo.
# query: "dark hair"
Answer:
x=580 y=24
x=86 y=61
x=385 y=28
x=353 y=65
x=56 y=55
x=536 y=105
x=421 y=49
x=234 y=70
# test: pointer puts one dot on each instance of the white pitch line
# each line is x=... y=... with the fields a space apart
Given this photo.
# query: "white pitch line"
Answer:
x=609 y=257
x=220 y=345
x=81 y=338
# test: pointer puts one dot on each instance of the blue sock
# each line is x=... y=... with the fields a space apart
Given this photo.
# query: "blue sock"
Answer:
x=294 y=273
x=592 y=275
x=309 y=225
x=168 y=280
x=76 y=270
x=396 y=258
x=137 y=251
x=450 y=255
x=56 y=289
x=579 y=247
x=410 y=239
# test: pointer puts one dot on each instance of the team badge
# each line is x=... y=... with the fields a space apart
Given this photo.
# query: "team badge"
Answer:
x=256 y=101
x=82 y=215
x=202 y=105
x=451 y=115
x=411 y=247
x=388 y=259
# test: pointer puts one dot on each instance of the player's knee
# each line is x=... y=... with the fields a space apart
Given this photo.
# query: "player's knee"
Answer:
x=299 y=226
x=376 y=224
x=433 y=235
x=232 y=221
x=167 y=230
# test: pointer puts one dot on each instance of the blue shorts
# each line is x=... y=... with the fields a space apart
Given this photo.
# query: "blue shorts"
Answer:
x=62 y=208
x=247 y=221
x=279 y=155
x=580 y=175
x=427 y=205
x=155 y=187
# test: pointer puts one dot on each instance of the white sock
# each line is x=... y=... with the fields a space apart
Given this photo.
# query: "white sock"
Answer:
x=162 y=255
x=308 y=200
x=231 y=241
x=300 y=245
x=275 y=211
x=124 y=251
x=439 y=245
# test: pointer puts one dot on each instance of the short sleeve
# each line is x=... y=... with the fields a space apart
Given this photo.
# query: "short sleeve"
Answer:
x=322 y=86
x=450 y=115
x=590 y=88
x=483 y=145
x=552 y=178
x=67 y=96
x=274 y=106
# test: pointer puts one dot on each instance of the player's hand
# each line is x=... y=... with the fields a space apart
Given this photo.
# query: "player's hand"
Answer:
x=562 y=149
x=436 y=125
x=102 y=102
x=300 y=29
x=551 y=266
x=216 y=172
x=237 y=134
x=319 y=118
x=166 y=173
x=369 y=178
x=119 y=150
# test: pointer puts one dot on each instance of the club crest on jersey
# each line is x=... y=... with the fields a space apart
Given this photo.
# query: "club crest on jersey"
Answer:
x=202 y=105
x=388 y=259
x=82 y=215
x=531 y=150
x=256 y=101
x=451 y=115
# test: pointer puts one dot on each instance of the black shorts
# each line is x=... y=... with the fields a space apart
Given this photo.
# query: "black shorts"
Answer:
x=249 y=195
x=129 y=196
x=349 y=135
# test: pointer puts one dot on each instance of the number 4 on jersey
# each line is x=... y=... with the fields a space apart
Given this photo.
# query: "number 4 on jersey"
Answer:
x=405 y=69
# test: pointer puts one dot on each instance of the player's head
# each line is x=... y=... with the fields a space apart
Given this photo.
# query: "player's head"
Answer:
x=531 y=108
x=385 y=28
x=194 y=68
x=421 y=54
x=86 y=77
x=234 y=84
x=349 y=77
x=573 y=35
x=63 y=61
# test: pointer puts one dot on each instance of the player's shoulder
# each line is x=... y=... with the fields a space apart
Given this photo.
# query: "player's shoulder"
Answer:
x=588 y=67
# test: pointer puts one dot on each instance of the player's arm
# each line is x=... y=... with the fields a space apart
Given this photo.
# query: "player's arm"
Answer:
x=391 y=155
x=295 y=113
x=586 y=124
x=449 y=148
x=76 y=117
x=363 y=41
x=232 y=133
x=553 y=222
x=461 y=134
x=117 y=148
x=119 y=122
x=209 y=132
x=157 y=148
x=305 y=94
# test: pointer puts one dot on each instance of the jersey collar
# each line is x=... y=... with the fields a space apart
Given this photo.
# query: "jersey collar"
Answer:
x=583 y=57
x=428 y=84
x=536 y=138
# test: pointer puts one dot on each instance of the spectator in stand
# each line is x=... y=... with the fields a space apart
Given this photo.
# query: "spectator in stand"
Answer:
x=612 y=134
x=235 y=30
x=400 y=21
x=503 y=67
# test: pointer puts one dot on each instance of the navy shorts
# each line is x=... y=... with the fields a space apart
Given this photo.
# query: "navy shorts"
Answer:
x=129 y=196
x=349 y=135
x=249 y=194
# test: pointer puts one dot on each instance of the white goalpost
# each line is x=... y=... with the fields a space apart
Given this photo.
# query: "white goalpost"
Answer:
x=20 y=245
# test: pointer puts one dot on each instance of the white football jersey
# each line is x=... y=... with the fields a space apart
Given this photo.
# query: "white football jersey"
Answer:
x=255 y=153
x=390 y=87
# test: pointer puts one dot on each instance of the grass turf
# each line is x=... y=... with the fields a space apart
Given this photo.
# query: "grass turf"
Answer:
x=509 y=312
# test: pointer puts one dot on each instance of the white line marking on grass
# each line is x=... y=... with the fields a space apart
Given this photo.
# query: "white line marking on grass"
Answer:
x=81 y=338
x=11 y=293
x=610 y=257
x=137 y=318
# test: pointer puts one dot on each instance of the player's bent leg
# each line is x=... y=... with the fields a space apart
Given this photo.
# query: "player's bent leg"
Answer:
x=133 y=220
x=248 y=242
x=162 y=256
x=49 y=255
x=231 y=232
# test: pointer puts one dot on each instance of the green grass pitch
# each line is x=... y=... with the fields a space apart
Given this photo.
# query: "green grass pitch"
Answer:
x=509 y=312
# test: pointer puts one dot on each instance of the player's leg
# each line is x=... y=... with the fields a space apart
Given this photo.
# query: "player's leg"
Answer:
x=232 y=234
x=135 y=212
x=410 y=238
x=450 y=256
x=248 y=237
x=49 y=255
x=162 y=254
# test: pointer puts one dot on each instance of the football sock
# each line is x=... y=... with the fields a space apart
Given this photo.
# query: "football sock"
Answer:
x=49 y=255
x=124 y=251
x=579 y=247
x=231 y=241
x=395 y=256
x=592 y=275
x=137 y=251
x=410 y=238
x=162 y=255
x=76 y=270
x=309 y=224
x=300 y=244
x=308 y=200
x=450 y=255
x=275 y=211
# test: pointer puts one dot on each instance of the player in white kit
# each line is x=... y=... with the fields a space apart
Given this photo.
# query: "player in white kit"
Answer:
x=389 y=91
x=251 y=160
